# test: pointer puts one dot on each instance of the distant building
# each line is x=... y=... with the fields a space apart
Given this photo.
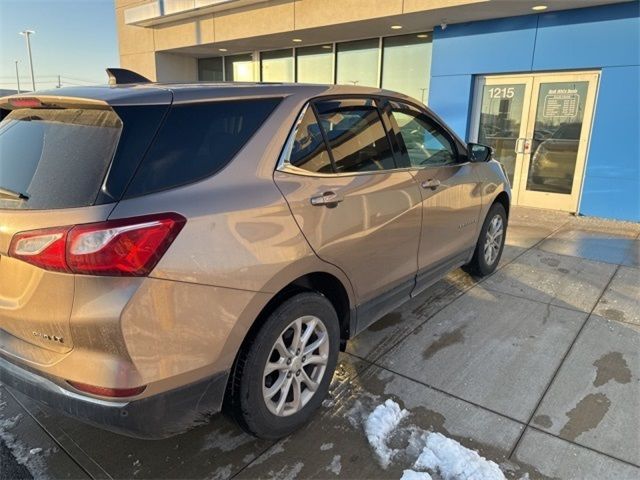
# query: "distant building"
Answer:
x=553 y=86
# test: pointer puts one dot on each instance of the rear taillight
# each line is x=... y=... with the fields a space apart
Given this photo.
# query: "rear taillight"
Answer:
x=43 y=248
x=128 y=247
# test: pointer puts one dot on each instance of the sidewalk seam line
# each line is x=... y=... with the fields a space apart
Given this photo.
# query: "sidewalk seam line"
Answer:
x=562 y=361
x=494 y=412
x=55 y=440
x=465 y=291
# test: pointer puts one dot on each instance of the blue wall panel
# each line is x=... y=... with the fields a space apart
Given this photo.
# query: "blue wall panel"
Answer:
x=612 y=180
x=590 y=37
x=484 y=47
x=603 y=38
x=450 y=98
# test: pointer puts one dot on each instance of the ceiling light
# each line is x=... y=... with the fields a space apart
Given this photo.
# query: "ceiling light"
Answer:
x=538 y=8
x=297 y=40
x=328 y=47
x=423 y=35
x=222 y=49
x=396 y=27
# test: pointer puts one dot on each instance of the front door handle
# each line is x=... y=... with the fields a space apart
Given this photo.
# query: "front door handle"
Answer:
x=327 y=199
x=431 y=183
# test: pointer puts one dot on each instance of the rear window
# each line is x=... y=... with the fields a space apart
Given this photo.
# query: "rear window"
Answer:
x=197 y=140
x=57 y=158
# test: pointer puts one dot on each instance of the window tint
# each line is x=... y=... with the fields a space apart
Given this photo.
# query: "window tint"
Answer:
x=356 y=136
x=56 y=157
x=198 y=140
x=427 y=144
x=309 y=150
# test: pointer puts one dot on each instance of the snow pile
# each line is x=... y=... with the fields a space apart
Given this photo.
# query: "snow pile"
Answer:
x=455 y=462
x=378 y=427
x=413 y=475
x=435 y=452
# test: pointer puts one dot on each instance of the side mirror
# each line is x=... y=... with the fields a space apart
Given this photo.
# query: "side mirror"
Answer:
x=479 y=153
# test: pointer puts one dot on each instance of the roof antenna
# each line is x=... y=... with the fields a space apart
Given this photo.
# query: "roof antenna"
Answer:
x=122 y=76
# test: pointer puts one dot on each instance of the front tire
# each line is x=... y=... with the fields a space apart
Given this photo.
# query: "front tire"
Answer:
x=490 y=242
x=283 y=373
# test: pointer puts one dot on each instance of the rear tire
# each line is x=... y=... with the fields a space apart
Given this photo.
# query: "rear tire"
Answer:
x=283 y=373
x=490 y=242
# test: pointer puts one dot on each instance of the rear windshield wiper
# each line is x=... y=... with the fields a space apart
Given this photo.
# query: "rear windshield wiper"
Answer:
x=5 y=192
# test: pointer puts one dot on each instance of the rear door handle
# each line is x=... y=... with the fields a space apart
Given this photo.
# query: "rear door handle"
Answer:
x=431 y=183
x=327 y=199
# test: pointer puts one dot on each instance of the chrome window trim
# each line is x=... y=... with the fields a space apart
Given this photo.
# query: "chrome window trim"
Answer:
x=285 y=166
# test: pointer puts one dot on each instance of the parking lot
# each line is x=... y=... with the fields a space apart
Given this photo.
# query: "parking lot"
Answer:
x=536 y=367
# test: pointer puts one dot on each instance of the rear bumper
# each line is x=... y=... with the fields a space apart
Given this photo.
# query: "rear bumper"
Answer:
x=158 y=416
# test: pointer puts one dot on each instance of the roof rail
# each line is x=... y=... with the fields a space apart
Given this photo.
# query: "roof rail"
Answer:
x=120 y=76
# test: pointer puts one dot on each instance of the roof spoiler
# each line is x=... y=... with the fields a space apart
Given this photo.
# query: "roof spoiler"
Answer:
x=120 y=76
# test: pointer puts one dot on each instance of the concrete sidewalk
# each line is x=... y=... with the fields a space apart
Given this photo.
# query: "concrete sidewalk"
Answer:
x=537 y=367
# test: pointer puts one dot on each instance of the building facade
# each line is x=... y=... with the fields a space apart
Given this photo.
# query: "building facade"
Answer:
x=553 y=86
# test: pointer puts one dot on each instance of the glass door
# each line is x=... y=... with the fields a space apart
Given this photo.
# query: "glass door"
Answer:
x=503 y=108
x=558 y=127
x=539 y=127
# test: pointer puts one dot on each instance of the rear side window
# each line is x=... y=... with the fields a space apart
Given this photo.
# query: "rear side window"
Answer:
x=309 y=151
x=197 y=140
x=57 y=158
x=357 y=138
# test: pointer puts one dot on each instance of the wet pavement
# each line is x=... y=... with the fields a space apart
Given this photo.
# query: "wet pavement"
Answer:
x=536 y=367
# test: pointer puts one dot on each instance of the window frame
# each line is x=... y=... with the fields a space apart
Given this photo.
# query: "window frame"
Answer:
x=459 y=147
x=283 y=164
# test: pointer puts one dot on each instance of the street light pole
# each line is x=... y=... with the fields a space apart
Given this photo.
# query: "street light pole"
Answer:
x=26 y=34
x=17 y=76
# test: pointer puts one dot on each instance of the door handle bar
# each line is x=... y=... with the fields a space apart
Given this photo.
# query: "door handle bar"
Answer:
x=327 y=199
x=431 y=183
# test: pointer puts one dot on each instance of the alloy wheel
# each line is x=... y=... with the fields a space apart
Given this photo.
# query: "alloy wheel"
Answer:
x=296 y=366
x=493 y=241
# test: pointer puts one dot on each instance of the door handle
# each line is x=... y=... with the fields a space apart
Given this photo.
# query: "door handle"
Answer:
x=523 y=145
x=327 y=199
x=431 y=183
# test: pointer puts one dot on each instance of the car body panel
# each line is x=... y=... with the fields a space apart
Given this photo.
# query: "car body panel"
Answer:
x=35 y=305
x=360 y=235
x=250 y=232
x=451 y=212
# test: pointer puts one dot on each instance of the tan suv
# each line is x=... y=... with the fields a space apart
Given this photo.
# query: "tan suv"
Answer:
x=167 y=249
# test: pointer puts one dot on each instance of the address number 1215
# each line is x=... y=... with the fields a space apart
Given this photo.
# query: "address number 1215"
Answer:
x=502 y=92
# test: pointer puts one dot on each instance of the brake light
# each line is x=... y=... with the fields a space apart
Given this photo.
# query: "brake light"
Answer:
x=107 y=392
x=128 y=247
x=25 y=102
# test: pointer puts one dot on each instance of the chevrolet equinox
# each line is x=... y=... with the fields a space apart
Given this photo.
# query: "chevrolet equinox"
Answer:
x=168 y=251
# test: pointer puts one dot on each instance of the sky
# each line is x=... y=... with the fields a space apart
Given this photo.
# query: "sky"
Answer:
x=75 y=39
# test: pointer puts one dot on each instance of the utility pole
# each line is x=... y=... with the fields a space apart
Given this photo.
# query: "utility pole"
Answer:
x=27 y=34
x=17 y=76
x=59 y=84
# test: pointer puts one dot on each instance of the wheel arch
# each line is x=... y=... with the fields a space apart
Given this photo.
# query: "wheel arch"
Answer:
x=324 y=283
x=504 y=200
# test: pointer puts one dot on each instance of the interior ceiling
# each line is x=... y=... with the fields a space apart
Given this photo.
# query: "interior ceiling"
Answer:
x=411 y=23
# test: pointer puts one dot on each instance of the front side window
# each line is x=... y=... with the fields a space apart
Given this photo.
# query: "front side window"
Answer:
x=309 y=151
x=427 y=144
x=357 y=138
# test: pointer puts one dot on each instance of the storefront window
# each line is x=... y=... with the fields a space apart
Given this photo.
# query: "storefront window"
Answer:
x=277 y=66
x=239 y=68
x=406 y=65
x=358 y=63
x=315 y=64
x=210 y=69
